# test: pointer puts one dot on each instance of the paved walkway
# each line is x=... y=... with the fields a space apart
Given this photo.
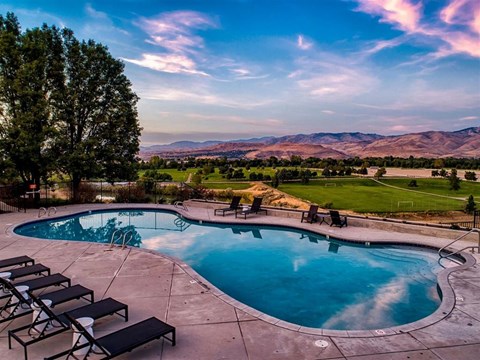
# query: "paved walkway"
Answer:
x=209 y=326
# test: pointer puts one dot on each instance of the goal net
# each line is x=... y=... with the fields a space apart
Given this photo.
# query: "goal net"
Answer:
x=405 y=204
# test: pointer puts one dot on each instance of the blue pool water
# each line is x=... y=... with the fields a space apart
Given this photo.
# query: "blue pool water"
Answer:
x=296 y=276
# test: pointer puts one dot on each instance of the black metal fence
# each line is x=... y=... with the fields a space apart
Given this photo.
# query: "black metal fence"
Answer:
x=20 y=197
x=467 y=225
x=10 y=199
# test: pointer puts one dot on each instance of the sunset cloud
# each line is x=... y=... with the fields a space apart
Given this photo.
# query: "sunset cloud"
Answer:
x=303 y=43
x=469 y=118
x=404 y=14
x=175 y=33
x=170 y=63
x=456 y=31
x=332 y=77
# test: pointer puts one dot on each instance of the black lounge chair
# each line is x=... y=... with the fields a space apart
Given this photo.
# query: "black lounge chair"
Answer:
x=337 y=220
x=45 y=281
x=37 y=269
x=233 y=206
x=310 y=216
x=41 y=283
x=17 y=305
x=19 y=260
x=254 y=209
x=56 y=324
x=120 y=341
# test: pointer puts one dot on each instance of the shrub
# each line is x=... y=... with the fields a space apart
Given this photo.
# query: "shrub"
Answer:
x=328 y=205
x=132 y=193
x=470 y=207
x=86 y=193
x=226 y=194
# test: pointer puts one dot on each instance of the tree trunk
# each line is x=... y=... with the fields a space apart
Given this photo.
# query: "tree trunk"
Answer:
x=76 y=180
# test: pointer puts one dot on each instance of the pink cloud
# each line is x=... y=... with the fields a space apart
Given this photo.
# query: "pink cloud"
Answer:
x=453 y=11
x=175 y=33
x=175 y=30
x=170 y=63
x=402 y=13
x=303 y=43
x=458 y=31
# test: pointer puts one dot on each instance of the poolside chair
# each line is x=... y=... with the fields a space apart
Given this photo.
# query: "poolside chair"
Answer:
x=19 y=260
x=37 y=269
x=337 y=219
x=310 y=216
x=55 y=324
x=254 y=209
x=18 y=305
x=45 y=281
x=41 y=283
x=233 y=206
x=120 y=341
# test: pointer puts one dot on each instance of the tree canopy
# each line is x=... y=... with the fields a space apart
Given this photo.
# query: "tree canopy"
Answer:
x=65 y=106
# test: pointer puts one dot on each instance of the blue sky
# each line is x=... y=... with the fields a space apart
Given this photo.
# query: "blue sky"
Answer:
x=229 y=69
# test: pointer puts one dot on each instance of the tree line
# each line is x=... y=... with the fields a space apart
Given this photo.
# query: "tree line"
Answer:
x=157 y=162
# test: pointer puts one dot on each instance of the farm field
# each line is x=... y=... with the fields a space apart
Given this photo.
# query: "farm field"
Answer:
x=367 y=196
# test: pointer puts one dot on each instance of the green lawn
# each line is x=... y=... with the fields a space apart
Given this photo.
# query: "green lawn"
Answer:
x=437 y=186
x=215 y=177
x=176 y=175
x=365 y=195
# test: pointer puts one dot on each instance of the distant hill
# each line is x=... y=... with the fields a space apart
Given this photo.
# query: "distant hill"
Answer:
x=462 y=143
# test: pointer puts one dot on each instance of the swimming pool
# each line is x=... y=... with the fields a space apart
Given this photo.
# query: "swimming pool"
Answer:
x=293 y=275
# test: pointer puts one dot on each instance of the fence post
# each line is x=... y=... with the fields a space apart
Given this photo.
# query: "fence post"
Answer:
x=155 y=191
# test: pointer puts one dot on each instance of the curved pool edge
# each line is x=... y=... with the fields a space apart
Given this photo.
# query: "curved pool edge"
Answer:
x=447 y=292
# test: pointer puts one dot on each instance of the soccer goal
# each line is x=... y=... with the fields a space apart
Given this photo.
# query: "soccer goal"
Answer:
x=405 y=204
x=330 y=184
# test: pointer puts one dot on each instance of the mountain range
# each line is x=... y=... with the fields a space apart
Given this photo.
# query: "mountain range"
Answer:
x=432 y=144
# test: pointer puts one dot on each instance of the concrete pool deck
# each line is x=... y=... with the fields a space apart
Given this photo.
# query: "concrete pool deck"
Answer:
x=211 y=325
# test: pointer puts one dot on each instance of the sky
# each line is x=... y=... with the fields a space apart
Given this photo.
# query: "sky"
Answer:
x=231 y=69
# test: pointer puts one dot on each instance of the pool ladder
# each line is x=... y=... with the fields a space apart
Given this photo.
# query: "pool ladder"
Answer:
x=181 y=224
x=450 y=254
x=125 y=237
x=44 y=211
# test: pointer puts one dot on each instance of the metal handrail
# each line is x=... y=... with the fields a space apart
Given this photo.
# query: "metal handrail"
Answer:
x=113 y=240
x=459 y=238
x=8 y=226
x=52 y=209
x=459 y=251
x=42 y=211
x=180 y=205
x=125 y=242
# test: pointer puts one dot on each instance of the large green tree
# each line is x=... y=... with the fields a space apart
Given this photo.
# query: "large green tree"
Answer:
x=99 y=122
x=65 y=105
x=31 y=71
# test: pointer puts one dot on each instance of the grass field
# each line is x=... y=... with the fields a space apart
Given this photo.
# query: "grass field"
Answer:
x=215 y=177
x=367 y=196
x=437 y=186
x=176 y=175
